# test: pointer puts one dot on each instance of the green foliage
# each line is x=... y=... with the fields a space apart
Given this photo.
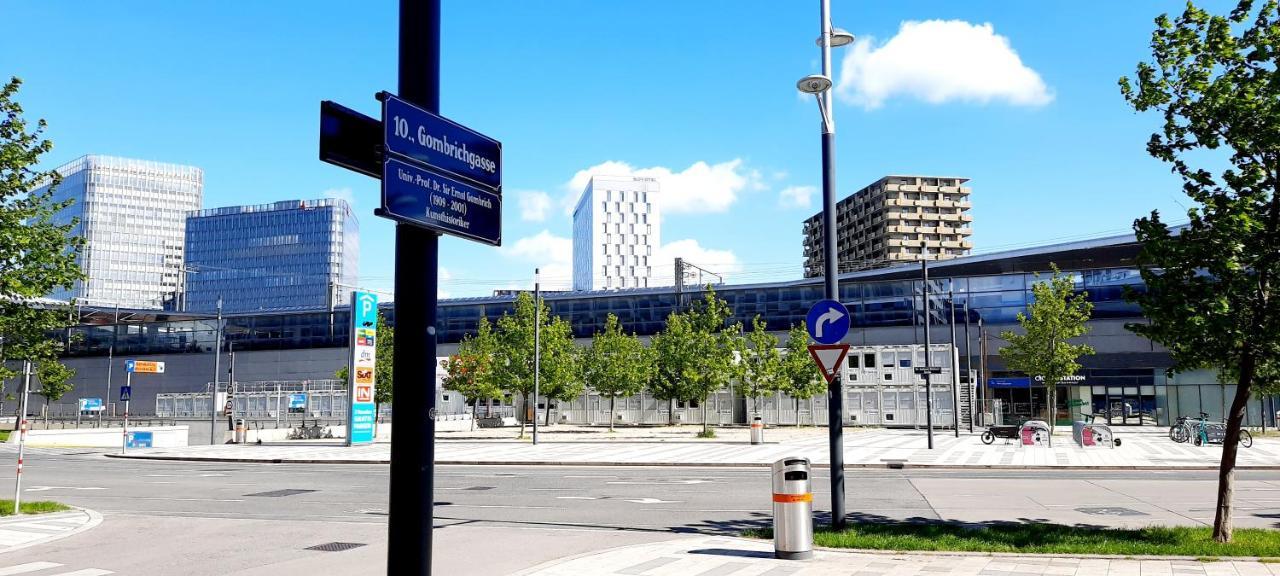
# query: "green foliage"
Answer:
x=470 y=370
x=513 y=358
x=36 y=507
x=763 y=372
x=1034 y=538
x=802 y=378
x=695 y=352
x=55 y=380
x=1210 y=286
x=616 y=365
x=37 y=254
x=1043 y=349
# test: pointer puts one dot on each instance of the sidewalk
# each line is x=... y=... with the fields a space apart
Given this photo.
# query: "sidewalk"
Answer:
x=870 y=448
x=17 y=532
x=721 y=556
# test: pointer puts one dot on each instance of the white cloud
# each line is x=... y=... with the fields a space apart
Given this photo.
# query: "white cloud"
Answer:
x=341 y=193
x=939 y=61
x=701 y=187
x=534 y=205
x=796 y=196
x=552 y=254
x=722 y=262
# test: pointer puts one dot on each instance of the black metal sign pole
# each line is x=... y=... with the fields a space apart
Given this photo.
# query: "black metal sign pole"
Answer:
x=414 y=369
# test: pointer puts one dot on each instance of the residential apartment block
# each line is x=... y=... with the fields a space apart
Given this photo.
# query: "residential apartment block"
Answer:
x=895 y=219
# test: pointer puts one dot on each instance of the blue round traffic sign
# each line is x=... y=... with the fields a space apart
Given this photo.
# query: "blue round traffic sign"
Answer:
x=828 y=322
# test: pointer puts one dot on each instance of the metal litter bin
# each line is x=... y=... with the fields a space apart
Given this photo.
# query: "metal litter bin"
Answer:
x=240 y=431
x=757 y=431
x=792 y=509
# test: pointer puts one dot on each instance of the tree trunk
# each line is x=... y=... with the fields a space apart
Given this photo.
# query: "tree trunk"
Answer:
x=1230 y=446
x=671 y=412
x=704 y=416
x=546 y=420
x=377 y=409
x=475 y=410
x=797 y=402
x=612 y=415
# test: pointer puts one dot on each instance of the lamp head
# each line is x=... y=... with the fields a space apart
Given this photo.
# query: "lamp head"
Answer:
x=814 y=84
x=839 y=37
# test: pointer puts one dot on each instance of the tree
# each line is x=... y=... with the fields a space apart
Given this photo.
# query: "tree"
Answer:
x=55 y=382
x=763 y=372
x=470 y=370
x=1210 y=286
x=383 y=365
x=1043 y=350
x=716 y=340
x=801 y=378
x=615 y=365
x=513 y=357
x=675 y=351
x=38 y=254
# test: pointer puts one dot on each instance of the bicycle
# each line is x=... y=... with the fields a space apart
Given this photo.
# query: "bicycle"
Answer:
x=1219 y=429
x=1181 y=430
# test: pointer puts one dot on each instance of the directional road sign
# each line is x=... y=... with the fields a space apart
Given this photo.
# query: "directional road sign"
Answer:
x=143 y=367
x=829 y=358
x=422 y=196
x=91 y=405
x=929 y=370
x=431 y=140
x=125 y=393
x=828 y=322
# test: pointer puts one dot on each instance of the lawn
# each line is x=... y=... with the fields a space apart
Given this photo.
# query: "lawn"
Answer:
x=1045 y=539
x=36 y=507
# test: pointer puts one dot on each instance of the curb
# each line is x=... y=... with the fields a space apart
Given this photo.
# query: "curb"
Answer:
x=881 y=466
x=94 y=520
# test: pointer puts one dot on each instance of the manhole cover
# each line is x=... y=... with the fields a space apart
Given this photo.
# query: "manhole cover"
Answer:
x=280 y=493
x=1110 y=511
x=335 y=546
x=479 y=488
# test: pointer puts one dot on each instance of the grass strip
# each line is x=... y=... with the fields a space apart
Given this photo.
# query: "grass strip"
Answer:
x=1046 y=539
x=35 y=507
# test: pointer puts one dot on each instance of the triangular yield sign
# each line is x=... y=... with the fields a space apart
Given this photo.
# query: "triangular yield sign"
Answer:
x=829 y=357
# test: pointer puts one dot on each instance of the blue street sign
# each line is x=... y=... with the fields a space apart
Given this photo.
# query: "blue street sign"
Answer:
x=427 y=198
x=429 y=139
x=297 y=402
x=125 y=393
x=1008 y=382
x=139 y=439
x=90 y=404
x=362 y=386
x=828 y=322
x=128 y=365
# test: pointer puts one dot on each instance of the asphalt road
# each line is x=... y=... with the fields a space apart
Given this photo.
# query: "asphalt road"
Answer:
x=170 y=517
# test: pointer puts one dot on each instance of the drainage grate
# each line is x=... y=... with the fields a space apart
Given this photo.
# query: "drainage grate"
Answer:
x=1110 y=511
x=279 y=493
x=479 y=488
x=335 y=546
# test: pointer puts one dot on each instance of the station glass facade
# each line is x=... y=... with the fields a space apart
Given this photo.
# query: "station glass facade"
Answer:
x=289 y=255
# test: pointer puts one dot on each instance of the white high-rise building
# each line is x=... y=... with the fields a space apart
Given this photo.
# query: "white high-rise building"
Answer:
x=616 y=233
x=133 y=218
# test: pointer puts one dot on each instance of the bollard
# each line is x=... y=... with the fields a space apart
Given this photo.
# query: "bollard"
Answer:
x=757 y=431
x=792 y=509
x=239 y=431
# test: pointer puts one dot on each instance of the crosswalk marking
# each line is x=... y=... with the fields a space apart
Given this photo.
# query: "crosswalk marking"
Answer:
x=28 y=567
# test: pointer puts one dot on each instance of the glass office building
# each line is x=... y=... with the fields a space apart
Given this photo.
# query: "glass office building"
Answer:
x=291 y=255
x=133 y=219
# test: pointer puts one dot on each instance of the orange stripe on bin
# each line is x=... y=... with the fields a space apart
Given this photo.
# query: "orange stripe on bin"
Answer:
x=793 y=498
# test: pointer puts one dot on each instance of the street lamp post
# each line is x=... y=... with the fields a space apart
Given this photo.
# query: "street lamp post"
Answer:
x=537 y=349
x=820 y=86
x=111 y=352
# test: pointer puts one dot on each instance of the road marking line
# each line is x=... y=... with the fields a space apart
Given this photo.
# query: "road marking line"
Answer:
x=28 y=567
x=86 y=572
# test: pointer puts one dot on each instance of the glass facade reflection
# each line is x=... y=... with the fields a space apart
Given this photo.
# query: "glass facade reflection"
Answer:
x=996 y=299
x=133 y=219
x=289 y=255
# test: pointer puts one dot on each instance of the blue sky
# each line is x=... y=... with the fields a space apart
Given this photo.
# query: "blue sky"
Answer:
x=1020 y=97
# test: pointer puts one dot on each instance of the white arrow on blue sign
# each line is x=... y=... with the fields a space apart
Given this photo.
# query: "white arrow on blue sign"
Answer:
x=828 y=322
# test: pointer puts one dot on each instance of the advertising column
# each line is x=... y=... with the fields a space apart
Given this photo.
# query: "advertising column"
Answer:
x=362 y=416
